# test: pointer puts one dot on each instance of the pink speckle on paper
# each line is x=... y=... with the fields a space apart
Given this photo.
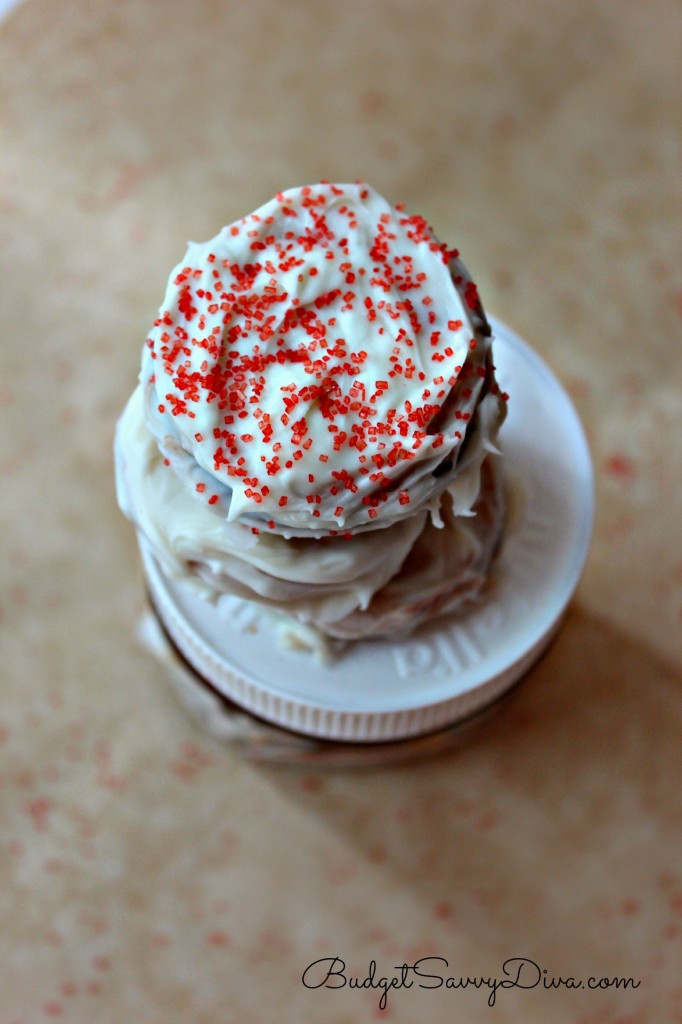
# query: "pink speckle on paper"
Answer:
x=523 y=719
x=424 y=948
x=464 y=805
x=505 y=125
x=388 y=149
x=95 y=923
x=39 y=811
x=677 y=303
x=428 y=861
x=190 y=763
x=128 y=176
x=660 y=590
x=311 y=783
x=482 y=898
x=69 y=415
x=657 y=962
x=486 y=821
x=371 y=102
x=228 y=839
x=675 y=902
x=18 y=595
x=504 y=772
x=577 y=387
x=443 y=910
x=106 y=776
x=632 y=385
x=620 y=466
x=619 y=529
x=659 y=269
x=340 y=873
x=62 y=370
x=219 y=939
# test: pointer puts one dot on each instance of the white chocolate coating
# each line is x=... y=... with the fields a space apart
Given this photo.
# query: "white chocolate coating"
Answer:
x=374 y=583
x=315 y=363
x=321 y=367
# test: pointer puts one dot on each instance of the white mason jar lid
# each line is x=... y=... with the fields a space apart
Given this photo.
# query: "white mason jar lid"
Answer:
x=448 y=670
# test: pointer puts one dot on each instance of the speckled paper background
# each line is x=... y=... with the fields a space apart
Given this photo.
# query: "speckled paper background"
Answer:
x=149 y=876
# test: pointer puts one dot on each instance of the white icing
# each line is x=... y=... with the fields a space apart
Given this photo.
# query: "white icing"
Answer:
x=323 y=578
x=279 y=264
x=402 y=367
x=417 y=566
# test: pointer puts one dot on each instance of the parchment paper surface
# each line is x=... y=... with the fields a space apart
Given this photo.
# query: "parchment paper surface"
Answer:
x=148 y=876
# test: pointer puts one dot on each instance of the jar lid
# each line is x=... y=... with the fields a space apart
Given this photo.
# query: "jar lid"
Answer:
x=451 y=668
